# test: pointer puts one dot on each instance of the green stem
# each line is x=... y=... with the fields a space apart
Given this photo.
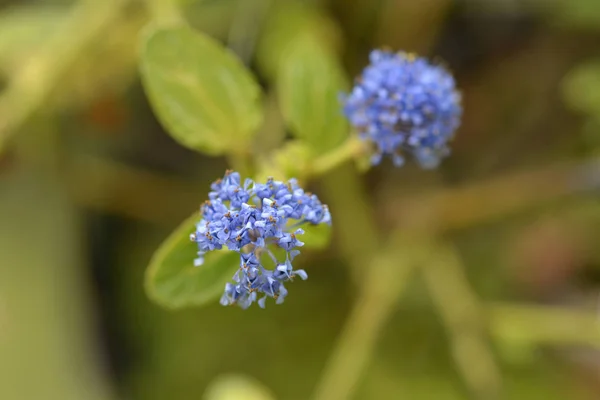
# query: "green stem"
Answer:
x=543 y=324
x=27 y=90
x=354 y=347
x=463 y=317
x=384 y=279
x=350 y=149
x=474 y=203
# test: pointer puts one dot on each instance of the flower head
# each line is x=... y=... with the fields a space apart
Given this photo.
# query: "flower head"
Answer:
x=405 y=105
x=252 y=220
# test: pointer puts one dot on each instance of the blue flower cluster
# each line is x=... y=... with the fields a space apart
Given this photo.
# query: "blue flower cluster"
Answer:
x=250 y=219
x=405 y=105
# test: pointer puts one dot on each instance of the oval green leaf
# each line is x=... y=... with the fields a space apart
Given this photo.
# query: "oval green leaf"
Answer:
x=173 y=281
x=201 y=93
x=285 y=22
x=310 y=82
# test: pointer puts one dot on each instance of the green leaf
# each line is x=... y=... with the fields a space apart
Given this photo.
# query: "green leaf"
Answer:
x=316 y=236
x=202 y=94
x=173 y=281
x=310 y=82
x=286 y=21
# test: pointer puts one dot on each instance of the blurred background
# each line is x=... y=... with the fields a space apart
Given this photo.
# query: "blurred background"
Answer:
x=90 y=184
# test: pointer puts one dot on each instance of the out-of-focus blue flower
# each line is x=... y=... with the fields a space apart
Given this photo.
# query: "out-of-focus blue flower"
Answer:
x=405 y=105
x=251 y=220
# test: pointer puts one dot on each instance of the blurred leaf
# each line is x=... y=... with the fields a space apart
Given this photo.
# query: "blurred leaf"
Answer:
x=213 y=17
x=581 y=88
x=200 y=91
x=237 y=387
x=310 y=82
x=287 y=21
x=316 y=236
x=173 y=281
x=24 y=29
x=272 y=133
x=298 y=50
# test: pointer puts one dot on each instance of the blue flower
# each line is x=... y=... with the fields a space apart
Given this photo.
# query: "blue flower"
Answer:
x=405 y=105
x=228 y=189
x=251 y=220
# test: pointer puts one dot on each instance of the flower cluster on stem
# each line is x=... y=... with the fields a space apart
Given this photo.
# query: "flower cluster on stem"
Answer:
x=254 y=220
x=405 y=105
